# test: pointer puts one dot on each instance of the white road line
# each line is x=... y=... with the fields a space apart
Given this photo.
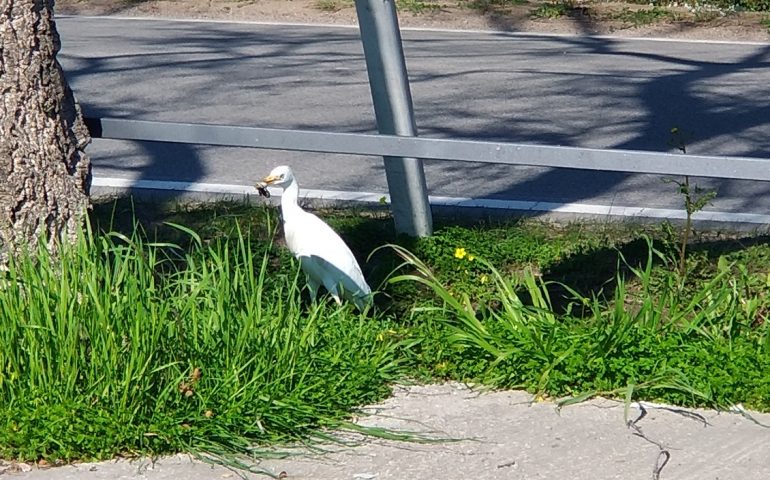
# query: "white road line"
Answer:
x=420 y=29
x=463 y=202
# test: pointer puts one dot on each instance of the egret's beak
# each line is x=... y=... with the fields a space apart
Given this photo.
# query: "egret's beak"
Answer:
x=270 y=179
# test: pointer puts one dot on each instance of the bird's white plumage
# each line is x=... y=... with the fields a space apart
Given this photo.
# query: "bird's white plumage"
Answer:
x=324 y=257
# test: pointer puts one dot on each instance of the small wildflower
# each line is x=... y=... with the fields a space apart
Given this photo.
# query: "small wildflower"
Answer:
x=484 y=279
x=471 y=258
x=385 y=334
x=460 y=253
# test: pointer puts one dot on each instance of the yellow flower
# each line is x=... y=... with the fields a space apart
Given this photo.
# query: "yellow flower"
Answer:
x=460 y=253
x=470 y=258
x=484 y=278
x=387 y=333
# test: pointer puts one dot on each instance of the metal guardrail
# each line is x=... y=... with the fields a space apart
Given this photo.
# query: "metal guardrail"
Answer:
x=632 y=161
x=403 y=151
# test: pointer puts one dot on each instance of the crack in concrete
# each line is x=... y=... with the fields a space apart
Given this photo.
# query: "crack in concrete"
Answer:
x=663 y=454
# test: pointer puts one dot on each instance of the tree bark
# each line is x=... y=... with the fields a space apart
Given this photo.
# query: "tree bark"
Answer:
x=45 y=174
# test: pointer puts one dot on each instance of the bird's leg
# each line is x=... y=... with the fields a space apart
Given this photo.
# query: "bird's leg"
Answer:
x=335 y=295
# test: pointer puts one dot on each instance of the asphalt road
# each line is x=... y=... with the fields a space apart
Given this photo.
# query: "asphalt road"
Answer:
x=576 y=91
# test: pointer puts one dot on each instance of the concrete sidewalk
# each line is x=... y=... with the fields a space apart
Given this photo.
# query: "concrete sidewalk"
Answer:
x=506 y=437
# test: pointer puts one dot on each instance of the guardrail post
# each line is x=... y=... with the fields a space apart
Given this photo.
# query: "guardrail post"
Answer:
x=392 y=100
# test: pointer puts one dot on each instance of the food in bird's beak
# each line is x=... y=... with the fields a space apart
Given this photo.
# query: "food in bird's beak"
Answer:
x=262 y=189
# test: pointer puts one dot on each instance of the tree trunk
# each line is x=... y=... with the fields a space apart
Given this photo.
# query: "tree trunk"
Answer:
x=45 y=174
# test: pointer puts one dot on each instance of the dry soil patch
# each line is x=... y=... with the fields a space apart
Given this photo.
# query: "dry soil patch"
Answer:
x=589 y=18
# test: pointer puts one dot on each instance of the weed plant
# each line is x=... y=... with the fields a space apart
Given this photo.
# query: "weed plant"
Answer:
x=122 y=346
x=639 y=17
x=333 y=5
x=553 y=9
x=643 y=337
x=200 y=341
x=417 y=6
x=491 y=6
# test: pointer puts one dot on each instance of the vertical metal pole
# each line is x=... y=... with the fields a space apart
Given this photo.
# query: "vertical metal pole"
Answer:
x=392 y=100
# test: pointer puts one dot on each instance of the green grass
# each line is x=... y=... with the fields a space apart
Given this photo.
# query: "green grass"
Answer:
x=552 y=10
x=498 y=6
x=417 y=6
x=644 y=16
x=124 y=346
x=707 y=345
x=333 y=5
x=765 y=23
x=157 y=338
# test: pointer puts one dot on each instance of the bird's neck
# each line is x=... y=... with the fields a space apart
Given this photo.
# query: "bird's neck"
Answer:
x=289 y=199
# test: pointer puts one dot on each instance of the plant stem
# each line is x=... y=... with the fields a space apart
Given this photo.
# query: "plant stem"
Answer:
x=688 y=206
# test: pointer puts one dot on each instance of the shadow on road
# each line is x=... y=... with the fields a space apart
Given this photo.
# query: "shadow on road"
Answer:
x=682 y=91
x=190 y=66
x=482 y=87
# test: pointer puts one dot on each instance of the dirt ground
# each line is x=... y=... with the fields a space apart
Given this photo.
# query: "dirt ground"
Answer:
x=587 y=18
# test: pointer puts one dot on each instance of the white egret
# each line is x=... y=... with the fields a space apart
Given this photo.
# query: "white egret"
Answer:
x=324 y=257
